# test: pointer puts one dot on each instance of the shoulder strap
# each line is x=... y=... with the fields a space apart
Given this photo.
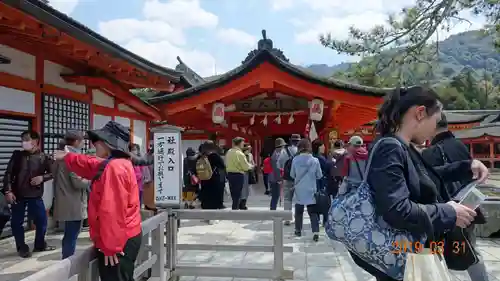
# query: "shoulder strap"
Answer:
x=102 y=167
x=288 y=151
x=372 y=152
x=358 y=167
x=443 y=155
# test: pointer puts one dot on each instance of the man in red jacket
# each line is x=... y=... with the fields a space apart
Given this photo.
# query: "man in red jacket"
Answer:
x=114 y=208
x=355 y=161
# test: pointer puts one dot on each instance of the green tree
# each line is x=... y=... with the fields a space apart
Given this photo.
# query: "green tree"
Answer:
x=410 y=30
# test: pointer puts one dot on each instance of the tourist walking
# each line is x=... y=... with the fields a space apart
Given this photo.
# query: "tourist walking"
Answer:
x=275 y=176
x=27 y=171
x=190 y=180
x=287 y=155
x=211 y=171
x=266 y=170
x=444 y=149
x=318 y=151
x=355 y=160
x=404 y=187
x=140 y=171
x=114 y=208
x=236 y=166
x=306 y=171
x=337 y=157
x=250 y=178
x=70 y=195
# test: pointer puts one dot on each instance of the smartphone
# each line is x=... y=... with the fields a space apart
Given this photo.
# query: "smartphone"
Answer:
x=470 y=196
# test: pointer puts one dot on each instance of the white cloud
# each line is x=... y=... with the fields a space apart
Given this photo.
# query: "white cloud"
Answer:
x=165 y=53
x=337 y=16
x=338 y=27
x=236 y=37
x=180 y=13
x=123 y=30
x=64 y=6
x=282 y=4
x=160 y=37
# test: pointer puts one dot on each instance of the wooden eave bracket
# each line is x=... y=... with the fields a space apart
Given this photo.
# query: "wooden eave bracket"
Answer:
x=116 y=90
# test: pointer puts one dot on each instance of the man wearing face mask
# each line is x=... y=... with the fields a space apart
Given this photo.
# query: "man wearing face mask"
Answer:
x=26 y=173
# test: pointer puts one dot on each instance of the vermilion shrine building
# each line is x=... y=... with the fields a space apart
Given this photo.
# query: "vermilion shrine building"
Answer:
x=56 y=74
x=263 y=98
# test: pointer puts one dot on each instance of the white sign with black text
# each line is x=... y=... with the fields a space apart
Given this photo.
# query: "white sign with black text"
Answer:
x=167 y=168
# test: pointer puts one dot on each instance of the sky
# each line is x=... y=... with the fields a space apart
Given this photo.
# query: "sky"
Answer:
x=214 y=36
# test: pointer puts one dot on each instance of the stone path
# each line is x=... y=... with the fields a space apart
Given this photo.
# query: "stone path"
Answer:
x=325 y=260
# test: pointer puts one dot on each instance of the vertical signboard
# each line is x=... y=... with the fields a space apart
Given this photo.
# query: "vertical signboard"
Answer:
x=167 y=168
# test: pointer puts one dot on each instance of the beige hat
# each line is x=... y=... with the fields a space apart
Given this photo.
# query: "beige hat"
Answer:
x=356 y=141
x=279 y=142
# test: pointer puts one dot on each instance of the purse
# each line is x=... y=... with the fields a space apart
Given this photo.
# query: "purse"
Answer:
x=459 y=253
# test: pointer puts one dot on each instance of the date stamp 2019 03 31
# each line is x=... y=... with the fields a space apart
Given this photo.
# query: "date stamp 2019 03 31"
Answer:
x=436 y=247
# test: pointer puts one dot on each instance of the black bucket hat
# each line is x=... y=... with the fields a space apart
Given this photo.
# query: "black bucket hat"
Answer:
x=114 y=134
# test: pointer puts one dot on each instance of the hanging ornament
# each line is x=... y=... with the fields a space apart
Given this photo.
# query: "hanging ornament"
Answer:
x=264 y=121
x=316 y=110
x=234 y=127
x=249 y=132
x=243 y=130
x=278 y=119
x=218 y=113
x=291 y=120
x=312 y=132
x=252 y=119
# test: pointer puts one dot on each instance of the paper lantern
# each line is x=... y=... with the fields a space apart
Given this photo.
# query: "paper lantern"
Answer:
x=316 y=110
x=218 y=113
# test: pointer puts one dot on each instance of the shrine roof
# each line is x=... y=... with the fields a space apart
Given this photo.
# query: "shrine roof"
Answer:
x=46 y=14
x=491 y=129
x=264 y=53
x=188 y=75
x=4 y=60
x=461 y=118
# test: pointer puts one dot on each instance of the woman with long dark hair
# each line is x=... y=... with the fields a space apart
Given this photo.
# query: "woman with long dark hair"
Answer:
x=408 y=192
x=318 y=151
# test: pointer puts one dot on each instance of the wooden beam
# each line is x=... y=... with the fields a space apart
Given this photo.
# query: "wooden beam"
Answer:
x=124 y=96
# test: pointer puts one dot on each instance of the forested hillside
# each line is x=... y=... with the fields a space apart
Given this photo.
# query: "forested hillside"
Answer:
x=464 y=69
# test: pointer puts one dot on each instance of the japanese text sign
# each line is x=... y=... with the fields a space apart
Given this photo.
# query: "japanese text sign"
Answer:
x=167 y=167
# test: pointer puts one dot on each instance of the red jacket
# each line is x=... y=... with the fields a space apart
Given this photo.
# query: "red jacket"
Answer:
x=267 y=168
x=357 y=154
x=114 y=210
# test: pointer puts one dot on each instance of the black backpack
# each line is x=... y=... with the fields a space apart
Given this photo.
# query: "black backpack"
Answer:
x=288 y=165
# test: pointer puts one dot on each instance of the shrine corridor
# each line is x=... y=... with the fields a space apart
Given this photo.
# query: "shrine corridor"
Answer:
x=311 y=261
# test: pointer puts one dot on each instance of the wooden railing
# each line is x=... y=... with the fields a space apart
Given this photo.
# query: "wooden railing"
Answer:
x=84 y=265
x=157 y=260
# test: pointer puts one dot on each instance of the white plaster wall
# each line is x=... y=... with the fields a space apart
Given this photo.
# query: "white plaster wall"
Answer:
x=53 y=71
x=124 y=107
x=22 y=64
x=18 y=101
x=100 y=120
x=194 y=144
x=139 y=134
x=122 y=120
x=100 y=98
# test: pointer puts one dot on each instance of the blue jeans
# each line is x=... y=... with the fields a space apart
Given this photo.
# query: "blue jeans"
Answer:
x=275 y=194
x=265 y=179
x=299 y=217
x=36 y=212
x=236 y=181
x=71 y=231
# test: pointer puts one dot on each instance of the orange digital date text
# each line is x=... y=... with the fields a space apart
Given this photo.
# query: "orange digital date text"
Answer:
x=436 y=247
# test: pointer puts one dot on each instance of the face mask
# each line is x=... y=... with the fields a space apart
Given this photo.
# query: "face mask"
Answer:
x=27 y=145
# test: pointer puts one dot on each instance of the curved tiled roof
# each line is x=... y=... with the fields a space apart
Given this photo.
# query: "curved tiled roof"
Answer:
x=73 y=28
x=268 y=56
x=492 y=129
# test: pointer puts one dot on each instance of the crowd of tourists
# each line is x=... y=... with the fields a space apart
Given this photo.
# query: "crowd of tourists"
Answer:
x=104 y=187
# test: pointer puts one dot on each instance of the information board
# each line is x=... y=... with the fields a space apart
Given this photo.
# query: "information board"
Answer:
x=167 y=168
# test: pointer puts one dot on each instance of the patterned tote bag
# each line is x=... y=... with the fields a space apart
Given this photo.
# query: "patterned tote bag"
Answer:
x=353 y=222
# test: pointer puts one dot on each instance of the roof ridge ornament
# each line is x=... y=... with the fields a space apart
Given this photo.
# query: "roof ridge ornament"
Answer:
x=265 y=44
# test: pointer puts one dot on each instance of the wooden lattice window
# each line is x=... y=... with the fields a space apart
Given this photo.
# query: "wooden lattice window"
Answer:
x=60 y=115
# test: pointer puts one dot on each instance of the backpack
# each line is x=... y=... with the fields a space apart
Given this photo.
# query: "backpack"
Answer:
x=203 y=168
x=338 y=166
x=288 y=165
